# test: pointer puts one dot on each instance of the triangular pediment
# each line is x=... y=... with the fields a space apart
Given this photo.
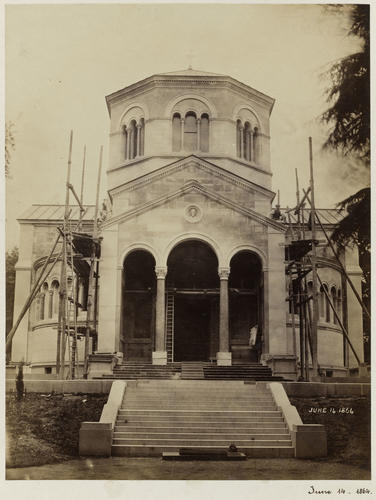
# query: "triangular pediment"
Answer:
x=194 y=187
x=199 y=169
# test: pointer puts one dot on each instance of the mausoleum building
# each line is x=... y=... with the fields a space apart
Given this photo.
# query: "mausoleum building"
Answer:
x=192 y=264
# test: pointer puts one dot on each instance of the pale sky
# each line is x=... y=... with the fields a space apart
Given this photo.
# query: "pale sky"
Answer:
x=62 y=60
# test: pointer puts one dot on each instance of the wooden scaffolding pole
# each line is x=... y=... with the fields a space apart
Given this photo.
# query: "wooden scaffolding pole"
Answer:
x=315 y=309
x=90 y=301
x=63 y=274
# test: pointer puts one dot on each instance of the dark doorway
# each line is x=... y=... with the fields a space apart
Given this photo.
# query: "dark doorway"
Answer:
x=193 y=281
x=245 y=301
x=192 y=327
x=138 y=306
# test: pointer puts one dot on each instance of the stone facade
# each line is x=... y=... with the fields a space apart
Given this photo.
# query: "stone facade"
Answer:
x=190 y=252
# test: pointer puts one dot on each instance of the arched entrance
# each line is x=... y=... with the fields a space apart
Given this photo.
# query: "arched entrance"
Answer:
x=192 y=302
x=138 y=305
x=245 y=307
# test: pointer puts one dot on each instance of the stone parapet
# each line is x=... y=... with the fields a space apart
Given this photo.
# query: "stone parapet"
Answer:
x=309 y=440
x=95 y=438
x=103 y=363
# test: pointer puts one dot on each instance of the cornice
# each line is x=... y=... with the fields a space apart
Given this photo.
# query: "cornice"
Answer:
x=156 y=81
x=194 y=186
x=182 y=156
x=170 y=169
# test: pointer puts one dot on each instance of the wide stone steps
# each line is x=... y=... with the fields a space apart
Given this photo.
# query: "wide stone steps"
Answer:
x=204 y=436
x=198 y=412
x=133 y=370
x=161 y=416
x=198 y=406
x=218 y=442
x=181 y=419
x=269 y=427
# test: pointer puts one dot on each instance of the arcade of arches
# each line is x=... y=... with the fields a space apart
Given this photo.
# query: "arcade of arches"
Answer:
x=191 y=309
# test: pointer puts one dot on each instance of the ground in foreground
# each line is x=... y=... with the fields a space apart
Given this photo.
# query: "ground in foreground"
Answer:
x=116 y=468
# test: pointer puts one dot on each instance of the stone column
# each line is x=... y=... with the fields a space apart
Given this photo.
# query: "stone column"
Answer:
x=251 y=153
x=160 y=353
x=224 y=354
x=182 y=134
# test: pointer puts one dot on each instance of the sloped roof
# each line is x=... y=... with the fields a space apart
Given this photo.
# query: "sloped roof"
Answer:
x=326 y=215
x=189 y=72
x=56 y=213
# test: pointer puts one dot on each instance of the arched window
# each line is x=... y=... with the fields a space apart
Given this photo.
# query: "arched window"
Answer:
x=126 y=141
x=204 y=133
x=333 y=294
x=247 y=142
x=256 y=145
x=132 y=140
x=142 y=137
x=239 y=138
x=190 y=132
x=176 y=132
x=55 y=298
x=339 y=304
x=326 y=301
x=43 y=302
x=322 y=303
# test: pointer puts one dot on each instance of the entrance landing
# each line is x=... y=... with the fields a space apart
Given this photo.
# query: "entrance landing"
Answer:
x=129 y=370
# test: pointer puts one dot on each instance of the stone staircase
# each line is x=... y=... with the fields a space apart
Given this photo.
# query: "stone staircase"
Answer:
x=249 y=371
x=130 y=370
x=190 y=370
x=159 y=416
x=137 y=370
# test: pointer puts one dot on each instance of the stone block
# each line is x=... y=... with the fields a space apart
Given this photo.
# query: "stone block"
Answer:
x=310 y=441
x=159 y=357
x=348 y=389
x=224 y=359
x=95 y=439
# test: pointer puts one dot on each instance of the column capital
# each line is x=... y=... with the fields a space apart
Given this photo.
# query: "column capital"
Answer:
x=161 y=272
x=224 y=273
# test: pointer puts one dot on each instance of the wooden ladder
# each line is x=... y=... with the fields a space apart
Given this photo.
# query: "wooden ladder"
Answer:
x=170 y=326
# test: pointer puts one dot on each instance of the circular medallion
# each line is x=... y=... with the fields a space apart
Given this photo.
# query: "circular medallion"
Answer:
x=193 y=213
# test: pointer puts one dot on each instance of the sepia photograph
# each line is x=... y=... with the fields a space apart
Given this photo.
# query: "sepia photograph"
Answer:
x=187 y=240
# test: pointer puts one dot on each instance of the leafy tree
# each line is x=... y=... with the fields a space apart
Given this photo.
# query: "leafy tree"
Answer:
x=349 y=114
x=11 y=259
x=349 y=94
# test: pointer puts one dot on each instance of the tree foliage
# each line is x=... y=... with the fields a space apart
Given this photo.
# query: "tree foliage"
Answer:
x=349 y=94
x=349 y=114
